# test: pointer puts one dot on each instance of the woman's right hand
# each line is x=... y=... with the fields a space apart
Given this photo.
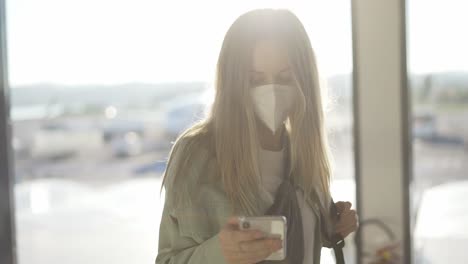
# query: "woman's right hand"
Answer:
x=245 y=246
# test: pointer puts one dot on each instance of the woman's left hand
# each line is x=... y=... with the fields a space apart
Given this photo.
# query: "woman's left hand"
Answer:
x=349 y=220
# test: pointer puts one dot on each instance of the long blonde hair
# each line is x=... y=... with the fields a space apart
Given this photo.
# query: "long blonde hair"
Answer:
x=231 y=121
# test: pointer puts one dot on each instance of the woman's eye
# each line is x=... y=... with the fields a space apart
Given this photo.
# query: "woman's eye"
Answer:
x=285 y=79
x=255 y=80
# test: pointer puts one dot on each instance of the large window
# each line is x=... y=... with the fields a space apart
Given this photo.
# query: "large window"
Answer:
x=438 y=74
x=99 y=89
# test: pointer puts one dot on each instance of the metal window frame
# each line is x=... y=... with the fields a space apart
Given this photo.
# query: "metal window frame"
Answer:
x=362 y=33
x=7 y=221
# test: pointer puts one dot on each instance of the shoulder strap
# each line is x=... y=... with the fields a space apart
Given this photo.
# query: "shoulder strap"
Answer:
x=337 y=241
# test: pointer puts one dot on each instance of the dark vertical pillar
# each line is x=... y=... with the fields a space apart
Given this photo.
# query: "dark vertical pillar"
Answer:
x=7 y=223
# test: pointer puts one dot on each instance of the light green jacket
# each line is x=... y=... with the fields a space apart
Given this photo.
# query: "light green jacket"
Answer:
x=191 y=235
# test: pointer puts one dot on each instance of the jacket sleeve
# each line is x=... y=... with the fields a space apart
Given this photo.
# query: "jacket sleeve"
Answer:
x=326 y=241
x=175 y=248
x=183 y=235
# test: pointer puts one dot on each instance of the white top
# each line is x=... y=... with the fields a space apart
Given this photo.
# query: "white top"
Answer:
x=272 y=170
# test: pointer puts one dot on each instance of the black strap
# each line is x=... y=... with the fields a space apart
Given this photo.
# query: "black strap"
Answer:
x=337 y=241
x=286 y=204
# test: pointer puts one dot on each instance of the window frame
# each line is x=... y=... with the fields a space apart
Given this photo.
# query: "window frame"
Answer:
x=7 y=222
x=380 y=75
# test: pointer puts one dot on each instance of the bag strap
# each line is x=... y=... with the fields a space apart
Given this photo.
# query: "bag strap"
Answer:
x=337 y=241
x=338 y=245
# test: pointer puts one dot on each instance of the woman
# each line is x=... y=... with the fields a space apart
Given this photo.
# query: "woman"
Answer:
x=265 y=128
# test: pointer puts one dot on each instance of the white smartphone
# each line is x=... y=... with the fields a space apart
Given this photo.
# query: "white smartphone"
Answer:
x=272 y=226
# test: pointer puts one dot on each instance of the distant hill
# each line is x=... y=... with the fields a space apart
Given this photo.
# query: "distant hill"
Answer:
x=140 y=94
x=446 y=87
x=452 y=79
x=125 y=94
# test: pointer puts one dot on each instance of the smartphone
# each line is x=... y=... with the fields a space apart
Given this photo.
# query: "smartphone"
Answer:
x=272 y=226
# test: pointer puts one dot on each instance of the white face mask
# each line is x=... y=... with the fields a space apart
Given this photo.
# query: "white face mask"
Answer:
x=272 y=103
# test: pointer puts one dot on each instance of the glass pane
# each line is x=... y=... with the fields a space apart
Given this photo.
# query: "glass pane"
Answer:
x=438 y=74
x=99 y=89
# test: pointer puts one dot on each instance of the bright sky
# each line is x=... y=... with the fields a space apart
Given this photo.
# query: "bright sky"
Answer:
x=116 y=41
x=437 y=35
